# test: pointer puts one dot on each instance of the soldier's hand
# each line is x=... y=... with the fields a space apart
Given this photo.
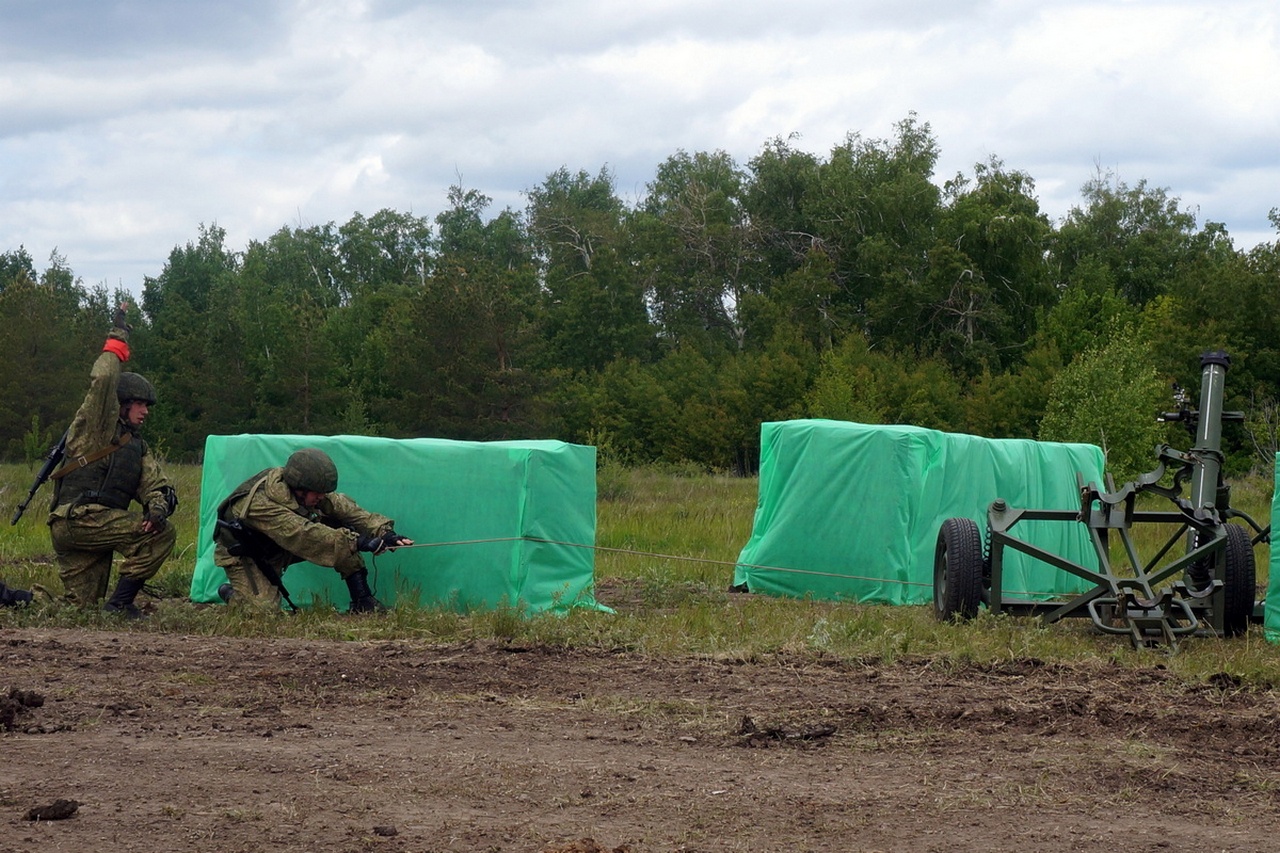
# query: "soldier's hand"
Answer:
x=370 y=544
x=120 y=319
x=156 y=518
x=392 y=540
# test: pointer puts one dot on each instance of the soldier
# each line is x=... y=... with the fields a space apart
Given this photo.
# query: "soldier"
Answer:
x=107 y=468
x=286 y=515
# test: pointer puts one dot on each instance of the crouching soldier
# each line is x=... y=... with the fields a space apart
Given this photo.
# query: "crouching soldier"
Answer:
x=108 y=467
x=292 y=514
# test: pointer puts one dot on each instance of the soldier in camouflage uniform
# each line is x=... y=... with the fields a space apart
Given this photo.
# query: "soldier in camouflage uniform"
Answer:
x=107 y=468
x=292 y=514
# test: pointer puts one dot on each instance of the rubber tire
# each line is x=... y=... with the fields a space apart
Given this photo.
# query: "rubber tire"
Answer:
x=957 y=570
x=1239 y=582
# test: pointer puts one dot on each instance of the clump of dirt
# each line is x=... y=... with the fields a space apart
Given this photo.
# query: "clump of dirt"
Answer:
x=756 y=735
x=16 y=703
x=57 y=810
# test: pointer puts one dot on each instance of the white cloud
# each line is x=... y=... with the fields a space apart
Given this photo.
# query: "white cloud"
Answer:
x=131 y=122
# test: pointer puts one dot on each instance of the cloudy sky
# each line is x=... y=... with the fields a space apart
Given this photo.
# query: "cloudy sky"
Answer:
x=126 y=124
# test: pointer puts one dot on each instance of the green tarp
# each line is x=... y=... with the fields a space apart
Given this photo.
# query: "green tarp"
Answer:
x=482 y=506
x=852 y=511
x=1271 y=604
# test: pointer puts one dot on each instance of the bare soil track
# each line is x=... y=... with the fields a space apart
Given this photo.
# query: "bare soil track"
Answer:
x=176 y=743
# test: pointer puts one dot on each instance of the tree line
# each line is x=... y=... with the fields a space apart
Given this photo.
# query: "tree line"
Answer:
x=852 y=286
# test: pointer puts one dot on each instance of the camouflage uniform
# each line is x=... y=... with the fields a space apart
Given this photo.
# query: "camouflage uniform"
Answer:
x=89 y=515
x=290 y=533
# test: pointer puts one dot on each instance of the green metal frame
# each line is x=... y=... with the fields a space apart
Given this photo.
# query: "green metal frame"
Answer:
x=1143 y=604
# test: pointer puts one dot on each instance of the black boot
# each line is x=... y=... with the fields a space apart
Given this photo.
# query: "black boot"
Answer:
x=362 y=600
x=121 y=601
x=10 y=597
x=225 y=591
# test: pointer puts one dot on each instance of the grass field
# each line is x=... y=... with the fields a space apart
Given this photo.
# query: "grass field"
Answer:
x=668 y=540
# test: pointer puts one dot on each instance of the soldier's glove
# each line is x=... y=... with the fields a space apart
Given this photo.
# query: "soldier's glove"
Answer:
x=159 y=510
x=120 y=319
x=158 y=517
x=116 y=338
x=392 y=540
x=371 y=544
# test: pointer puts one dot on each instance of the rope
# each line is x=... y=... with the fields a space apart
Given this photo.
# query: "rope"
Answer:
x=735 y=563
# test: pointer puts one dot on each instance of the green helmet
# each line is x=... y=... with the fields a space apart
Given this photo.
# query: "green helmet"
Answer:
x=133 y=387
x=311 y=469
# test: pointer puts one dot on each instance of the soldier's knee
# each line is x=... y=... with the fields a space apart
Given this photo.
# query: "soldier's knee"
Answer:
x=165 y=538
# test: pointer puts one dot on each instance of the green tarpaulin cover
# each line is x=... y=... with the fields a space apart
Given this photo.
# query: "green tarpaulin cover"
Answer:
x=495 y=500
x=1271 y=605
x=852 y=511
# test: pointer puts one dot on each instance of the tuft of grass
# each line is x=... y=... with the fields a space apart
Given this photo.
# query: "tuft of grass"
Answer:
x=503 y=623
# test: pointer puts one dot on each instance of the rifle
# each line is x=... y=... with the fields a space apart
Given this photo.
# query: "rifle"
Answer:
x=51 y=461
x=248 y=543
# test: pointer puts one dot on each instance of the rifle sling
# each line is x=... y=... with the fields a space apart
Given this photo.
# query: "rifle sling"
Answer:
x=81 y=461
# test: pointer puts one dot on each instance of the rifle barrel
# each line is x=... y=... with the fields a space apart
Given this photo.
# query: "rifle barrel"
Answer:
x=50 y=462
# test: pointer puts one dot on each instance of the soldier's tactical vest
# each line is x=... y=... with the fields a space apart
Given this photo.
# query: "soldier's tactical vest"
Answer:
x=111 y=481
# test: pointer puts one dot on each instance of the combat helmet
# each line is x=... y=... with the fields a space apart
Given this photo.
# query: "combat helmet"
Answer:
x=312 y=470
x=133 y=387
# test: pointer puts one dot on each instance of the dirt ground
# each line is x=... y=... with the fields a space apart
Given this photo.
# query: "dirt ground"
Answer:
x=150 y=742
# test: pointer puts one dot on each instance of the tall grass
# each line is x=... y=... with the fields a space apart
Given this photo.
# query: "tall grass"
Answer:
x=689 y=527
x=668 y=540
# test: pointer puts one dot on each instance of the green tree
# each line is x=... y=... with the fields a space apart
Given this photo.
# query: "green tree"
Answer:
x=51 y=329
x=857 y=383
x=1011 y=404
x=16 y=265
x=975 y=299
x=1086 y=311
x=777 y=198
x=875 y=208
x=594 y=309
x=696 y=251
x=624 y=407
x=1109 y=396
x=801 y=300
x=293 y=282
x=720 y=402
x=1138 y=233
x=388 y=249
x=192 y=346
x=848 y=385
x=458 y=350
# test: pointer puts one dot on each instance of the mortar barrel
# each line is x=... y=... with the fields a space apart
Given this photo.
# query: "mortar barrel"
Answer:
x=1208 y=448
